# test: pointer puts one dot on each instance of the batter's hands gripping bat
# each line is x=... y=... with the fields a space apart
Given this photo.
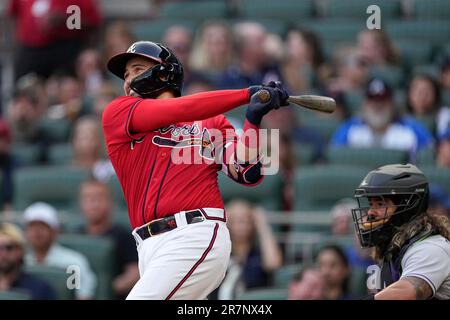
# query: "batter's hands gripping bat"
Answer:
x=312 y=102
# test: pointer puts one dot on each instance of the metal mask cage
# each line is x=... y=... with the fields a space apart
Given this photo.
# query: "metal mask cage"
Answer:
x=369 y=228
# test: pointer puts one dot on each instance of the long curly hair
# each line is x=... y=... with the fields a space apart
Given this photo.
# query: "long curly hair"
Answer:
x=424 y=223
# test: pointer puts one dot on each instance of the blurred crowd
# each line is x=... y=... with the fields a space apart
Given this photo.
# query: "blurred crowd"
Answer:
x=61 y=87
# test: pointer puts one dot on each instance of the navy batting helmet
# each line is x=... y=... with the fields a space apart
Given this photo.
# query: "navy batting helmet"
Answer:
x=167 y=74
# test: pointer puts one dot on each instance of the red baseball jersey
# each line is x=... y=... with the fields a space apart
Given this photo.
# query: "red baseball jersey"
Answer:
x=154 y=185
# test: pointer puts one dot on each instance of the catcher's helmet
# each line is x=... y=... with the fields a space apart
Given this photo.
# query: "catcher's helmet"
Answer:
x=167 y=74
x=405 y=185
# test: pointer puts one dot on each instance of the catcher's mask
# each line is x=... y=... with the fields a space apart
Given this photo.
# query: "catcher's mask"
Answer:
x=388 y=197
x=167 y=74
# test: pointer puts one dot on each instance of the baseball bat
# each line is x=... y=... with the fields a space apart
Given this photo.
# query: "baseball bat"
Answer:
x=312 y=102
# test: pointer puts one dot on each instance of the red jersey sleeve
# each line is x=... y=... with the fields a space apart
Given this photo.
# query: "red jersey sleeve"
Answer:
x=116 y=122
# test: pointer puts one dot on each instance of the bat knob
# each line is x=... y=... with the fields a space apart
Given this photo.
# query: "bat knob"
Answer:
x=263 y=95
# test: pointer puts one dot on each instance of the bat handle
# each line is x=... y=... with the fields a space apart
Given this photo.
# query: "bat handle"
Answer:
x=263 y=95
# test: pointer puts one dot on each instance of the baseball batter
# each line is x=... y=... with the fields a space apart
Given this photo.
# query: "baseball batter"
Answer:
x=176 y=209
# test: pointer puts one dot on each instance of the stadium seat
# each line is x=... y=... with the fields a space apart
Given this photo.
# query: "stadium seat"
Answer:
x=55 y=277
x=426 y=157
x=125 y=9
x=278 y=27
x=26 y=154
x=353 y=100
x=335 y=30
x=392 y=75
x=116 y=189
x=264 y=294
x=325 y=124
x=55 y=131
x=431 y=9
x=437 y=175
x=194 y=10
x=318 y=188
x=14 y=295
x=57 y=185
x=304 y=154
x=368 y=157
x=358 y=282
x=100 y=253
x=446 y=97
x=286 y=10
x=357 y=8
x=154 y=30
x=267 y=193
x=429 y=31
x=413 y=52
x=428 y=69
x=341 y=241
x=283 y=276
x=60 y=154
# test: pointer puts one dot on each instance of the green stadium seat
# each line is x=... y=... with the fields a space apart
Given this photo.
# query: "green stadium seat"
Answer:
x=431 y=9
x=369 y=157
x=318 y=188
x=117 y=192
x=100 y=253
x=264 y=294
x=392 y=75
x=283 y=276
x=154 y=30
x=27 y=154
x=60 y=154
x=14 y=295
x=286 y=10
x=414 y=52
x=428 y=31
x=304 y=154
x=278 y=27
x=358 y=282
x=354 y=100
x=445 y=96
x=335 y=30
x=55 y=130
x=340 y=241
x=55 y=277
x=429 y=69
x=426 y=157
x=267 y=193
x=57 y=185
x=357 y=8
x=194 y=10
x=325 y=124
x=437 y=175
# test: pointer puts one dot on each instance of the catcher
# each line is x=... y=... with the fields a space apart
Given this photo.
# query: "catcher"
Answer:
x=412 y=246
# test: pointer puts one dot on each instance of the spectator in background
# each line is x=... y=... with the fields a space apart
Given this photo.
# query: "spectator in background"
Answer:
x=255 y=253
x=104 y=95
x=89 y=71
x=253 y=66
x=88 y=151
x=12 y=278
x=333 y=264
x=26 y=109
x=424 y=100
x=96 y=203
x=42 y=227
x=65 y=95
x=351 y=71
x=117 y=39
x=376 y=49
x=213 y=49
x=7 y=165
x=179 y=39
x=445 y=74
x=308 y=284
x=304 y=63
x=439 y=201
x=342 y=226
x=443 y=150
x=42 y=32
x=379 y=125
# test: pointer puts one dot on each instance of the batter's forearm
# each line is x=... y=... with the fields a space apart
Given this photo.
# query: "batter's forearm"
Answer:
x=151 y=114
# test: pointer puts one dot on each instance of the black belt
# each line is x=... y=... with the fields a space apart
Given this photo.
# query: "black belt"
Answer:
x=167 y=223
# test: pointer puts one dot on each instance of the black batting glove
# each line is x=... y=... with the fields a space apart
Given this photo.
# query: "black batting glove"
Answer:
x=257 y=110
x=284 y=95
